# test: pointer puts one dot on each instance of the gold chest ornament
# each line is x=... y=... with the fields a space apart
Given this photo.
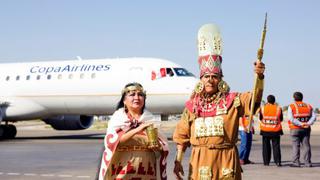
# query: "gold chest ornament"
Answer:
x=209 y=126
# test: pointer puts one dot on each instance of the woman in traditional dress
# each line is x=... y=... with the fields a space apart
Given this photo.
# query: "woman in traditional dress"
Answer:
x=131 y=153
x=210 y=120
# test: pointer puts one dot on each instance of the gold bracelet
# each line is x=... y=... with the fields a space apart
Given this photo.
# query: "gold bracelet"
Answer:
x=179 y=155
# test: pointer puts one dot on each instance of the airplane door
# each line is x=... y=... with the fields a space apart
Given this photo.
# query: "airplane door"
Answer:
x=136 y=74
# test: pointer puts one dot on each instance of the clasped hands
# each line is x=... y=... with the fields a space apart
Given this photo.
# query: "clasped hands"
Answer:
x=305 y=125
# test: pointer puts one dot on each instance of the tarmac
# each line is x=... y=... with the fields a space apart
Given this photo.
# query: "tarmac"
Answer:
x=252 y=171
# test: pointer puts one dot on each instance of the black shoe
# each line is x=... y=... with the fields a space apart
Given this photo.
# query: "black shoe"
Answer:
x=266 y=164
x=278 y=164
x=308 y=165
x=248 y=162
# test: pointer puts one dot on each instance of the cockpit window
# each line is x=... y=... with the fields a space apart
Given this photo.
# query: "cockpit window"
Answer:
x=182 y=72
x=169 y=72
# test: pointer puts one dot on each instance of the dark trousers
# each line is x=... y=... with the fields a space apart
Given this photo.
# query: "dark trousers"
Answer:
x=266 y=149
x=301 y=137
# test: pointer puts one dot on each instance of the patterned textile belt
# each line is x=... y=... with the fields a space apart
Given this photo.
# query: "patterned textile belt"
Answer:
x=133 y=148
x=217 y=146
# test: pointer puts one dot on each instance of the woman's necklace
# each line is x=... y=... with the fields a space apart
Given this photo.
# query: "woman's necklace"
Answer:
x=133 y=120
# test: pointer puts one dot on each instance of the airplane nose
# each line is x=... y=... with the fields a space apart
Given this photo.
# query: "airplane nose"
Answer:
x=191 y=84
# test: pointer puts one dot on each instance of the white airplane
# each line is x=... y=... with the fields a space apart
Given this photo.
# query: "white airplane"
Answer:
x=67 y=94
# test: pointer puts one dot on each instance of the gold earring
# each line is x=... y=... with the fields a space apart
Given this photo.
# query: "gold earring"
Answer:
x=223 y=87
x=199 y=87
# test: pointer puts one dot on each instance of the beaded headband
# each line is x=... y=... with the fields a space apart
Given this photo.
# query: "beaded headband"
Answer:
x=134 y=87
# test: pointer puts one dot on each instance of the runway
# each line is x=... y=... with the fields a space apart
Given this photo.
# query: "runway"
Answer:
x=49 y=154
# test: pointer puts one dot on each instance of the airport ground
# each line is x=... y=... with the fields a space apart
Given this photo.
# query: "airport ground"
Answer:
x=39 y=152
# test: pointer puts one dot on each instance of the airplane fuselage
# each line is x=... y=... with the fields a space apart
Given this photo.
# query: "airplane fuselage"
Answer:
x=88 y=87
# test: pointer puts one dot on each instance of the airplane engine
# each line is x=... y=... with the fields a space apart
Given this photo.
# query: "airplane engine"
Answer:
x=70 y=122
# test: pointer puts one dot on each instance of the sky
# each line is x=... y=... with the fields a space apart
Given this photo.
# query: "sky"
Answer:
x=43 y=30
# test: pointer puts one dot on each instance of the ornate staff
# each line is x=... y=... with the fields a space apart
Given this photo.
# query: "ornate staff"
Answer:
x=258 y=83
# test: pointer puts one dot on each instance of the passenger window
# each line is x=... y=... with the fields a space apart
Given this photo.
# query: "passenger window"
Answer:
x=49 y=76
x=93 y=75
x=81 y=75
x=28 y=77
x=17 y=78
x=60 y=76
x=70 y=76
x=38 y=77
x=7 y=78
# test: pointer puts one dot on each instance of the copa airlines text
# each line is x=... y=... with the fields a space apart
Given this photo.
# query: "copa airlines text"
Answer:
x=69 y=68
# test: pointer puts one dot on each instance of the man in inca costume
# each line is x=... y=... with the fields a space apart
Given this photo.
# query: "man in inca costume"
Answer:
x=210 y=120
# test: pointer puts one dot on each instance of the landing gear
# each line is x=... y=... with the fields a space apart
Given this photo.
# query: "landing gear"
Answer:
x=164 y=117
x=8 y=131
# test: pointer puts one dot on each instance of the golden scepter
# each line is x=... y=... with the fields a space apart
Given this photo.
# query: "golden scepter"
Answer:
x=258 y=83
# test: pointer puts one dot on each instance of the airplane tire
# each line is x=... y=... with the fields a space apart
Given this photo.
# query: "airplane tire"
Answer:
x=10 y=131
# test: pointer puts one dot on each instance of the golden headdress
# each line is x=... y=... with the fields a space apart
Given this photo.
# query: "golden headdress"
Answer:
x=209 y=49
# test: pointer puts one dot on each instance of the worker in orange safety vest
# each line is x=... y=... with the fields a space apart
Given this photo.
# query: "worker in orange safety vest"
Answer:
x=300 y=118
x=270 y=129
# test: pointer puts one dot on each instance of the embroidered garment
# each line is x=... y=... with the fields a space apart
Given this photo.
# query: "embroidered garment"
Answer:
x=213 y=138
x=131 y=159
